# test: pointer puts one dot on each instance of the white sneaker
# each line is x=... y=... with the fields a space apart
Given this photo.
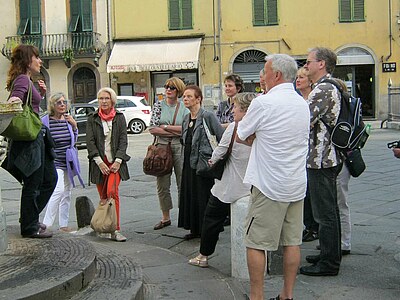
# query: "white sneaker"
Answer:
x=118 y=237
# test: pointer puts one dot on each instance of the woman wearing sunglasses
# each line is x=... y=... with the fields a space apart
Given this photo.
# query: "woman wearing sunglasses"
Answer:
x=64 y=131
x=163 y=127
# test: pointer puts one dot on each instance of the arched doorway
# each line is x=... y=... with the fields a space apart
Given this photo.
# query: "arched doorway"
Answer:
x=356 y=66
x=84 y=83
x=248 y=65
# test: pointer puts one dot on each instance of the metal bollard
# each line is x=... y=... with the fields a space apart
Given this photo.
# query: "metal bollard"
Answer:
x=3 y=228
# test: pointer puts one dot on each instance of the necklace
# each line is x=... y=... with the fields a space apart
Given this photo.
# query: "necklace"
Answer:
x=191 y=124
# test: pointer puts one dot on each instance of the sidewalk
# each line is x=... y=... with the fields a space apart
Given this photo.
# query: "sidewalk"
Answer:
x=371 y=271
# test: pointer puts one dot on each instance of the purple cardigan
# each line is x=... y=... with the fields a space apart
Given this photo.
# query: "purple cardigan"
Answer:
x=73 y=168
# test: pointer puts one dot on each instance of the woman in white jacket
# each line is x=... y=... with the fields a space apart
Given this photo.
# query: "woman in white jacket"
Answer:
x=230 y=188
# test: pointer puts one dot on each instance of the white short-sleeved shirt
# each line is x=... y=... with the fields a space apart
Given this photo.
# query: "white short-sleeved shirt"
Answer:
x=280 y=120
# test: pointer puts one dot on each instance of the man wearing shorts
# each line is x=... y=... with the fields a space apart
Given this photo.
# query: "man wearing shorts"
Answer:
x=277 y=125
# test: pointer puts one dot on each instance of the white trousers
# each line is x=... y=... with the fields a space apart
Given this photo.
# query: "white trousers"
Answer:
x=342 y=186
x=59 y=201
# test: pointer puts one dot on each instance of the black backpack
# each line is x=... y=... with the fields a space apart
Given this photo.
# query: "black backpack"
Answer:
x=349 y=131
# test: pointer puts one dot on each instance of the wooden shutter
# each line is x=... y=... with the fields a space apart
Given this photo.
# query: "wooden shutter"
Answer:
x=174 y=16
x=358 y=10
x=87 y=20
x=23 y=17
x=272 y=12
x=258 y=12
x=74 y=8
x=345 y=10
x=35 y=17
x=186 y=13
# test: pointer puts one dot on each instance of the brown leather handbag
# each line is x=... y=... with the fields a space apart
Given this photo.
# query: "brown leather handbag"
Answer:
x=158 y=160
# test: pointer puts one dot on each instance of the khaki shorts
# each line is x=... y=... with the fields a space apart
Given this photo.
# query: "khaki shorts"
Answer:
x=271 y=223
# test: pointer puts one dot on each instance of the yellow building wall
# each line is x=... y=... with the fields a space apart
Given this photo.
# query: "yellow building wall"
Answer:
x=302 y=25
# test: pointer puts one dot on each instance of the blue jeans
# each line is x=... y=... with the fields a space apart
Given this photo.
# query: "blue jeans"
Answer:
x=323 y=196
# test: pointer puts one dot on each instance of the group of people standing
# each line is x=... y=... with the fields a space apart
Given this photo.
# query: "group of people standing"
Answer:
x=279 y=150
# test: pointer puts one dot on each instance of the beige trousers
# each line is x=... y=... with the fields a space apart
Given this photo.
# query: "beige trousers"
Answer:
x=164 y=182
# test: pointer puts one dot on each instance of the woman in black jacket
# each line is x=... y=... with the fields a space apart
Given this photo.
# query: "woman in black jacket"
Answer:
x=107 y=141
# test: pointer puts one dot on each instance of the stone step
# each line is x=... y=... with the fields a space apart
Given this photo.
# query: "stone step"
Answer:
x=54 y=268
x=117 y=277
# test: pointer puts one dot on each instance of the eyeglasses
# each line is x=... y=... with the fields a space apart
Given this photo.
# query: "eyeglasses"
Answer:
x=171 y=87
x=310 y=61
x=61 y=102
x=104 y=98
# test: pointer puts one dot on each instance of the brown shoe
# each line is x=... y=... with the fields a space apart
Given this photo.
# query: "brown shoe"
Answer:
x=162 y=224
x=39 y=235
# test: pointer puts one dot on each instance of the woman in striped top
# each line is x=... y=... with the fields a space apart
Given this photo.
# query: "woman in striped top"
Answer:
x=64 y=131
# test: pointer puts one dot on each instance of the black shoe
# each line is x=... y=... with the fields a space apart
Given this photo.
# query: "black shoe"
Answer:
x=313 y=259
x=190 y=236
x=316 y=270
x=318 y=247
x=39 y=235
x=279 y=298
x=345 y=252
x=309 y=236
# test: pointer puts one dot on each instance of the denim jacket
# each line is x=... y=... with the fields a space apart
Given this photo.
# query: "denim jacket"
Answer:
x=200 y=143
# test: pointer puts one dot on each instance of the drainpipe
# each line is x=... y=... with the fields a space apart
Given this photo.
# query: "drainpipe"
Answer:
x=108 y=52
x=390 y=30
x=219 y=50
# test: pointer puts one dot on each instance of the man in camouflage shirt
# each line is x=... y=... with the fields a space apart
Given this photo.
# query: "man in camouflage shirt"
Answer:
x=323 y=163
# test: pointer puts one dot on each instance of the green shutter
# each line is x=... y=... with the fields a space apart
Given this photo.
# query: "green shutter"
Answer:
x=87 y=20
x=258 y=13
x=35 y=17
x=23 y=17
x=345 y=10
x=272 y=11
x=187 y=14
x=358 y=10
x=174 y=16
x=75 y=13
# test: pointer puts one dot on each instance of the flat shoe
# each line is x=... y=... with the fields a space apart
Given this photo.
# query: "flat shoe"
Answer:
x=162 y=224
x=199 y=262
x=190 y=236
x=38 y=235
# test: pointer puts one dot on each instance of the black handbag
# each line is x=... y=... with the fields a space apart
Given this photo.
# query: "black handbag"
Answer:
x=355 y=162
x=217 y=169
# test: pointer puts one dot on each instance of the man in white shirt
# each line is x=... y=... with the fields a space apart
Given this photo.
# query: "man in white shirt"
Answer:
x=277 y=125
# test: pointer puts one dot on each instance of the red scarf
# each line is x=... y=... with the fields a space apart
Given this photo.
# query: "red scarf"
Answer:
x=107 y=117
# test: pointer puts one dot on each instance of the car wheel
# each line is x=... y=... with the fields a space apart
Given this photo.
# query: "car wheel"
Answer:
x=136 y=126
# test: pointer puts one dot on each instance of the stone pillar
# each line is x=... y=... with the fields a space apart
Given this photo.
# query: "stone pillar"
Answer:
x=3 y=228
x=238 y=250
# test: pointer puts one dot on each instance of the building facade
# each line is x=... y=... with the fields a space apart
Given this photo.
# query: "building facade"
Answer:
x=71 y=36
x=234 y=36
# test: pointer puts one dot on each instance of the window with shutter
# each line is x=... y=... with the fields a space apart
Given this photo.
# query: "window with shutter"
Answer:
x=351 y=11
x=81 y=16
x=265 y=12
x=180 y=14
x=30 y=17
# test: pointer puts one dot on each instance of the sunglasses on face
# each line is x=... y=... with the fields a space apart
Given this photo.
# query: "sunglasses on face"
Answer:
x=170 y=87
x=61 y=102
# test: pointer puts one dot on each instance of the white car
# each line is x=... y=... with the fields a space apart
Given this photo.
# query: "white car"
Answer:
x=136 y=110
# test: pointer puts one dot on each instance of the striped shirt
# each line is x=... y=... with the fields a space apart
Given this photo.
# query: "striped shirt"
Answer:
x=62 y=139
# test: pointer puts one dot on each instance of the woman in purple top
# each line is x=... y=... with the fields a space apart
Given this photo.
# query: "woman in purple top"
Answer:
x=64 y=130
x=31 y=162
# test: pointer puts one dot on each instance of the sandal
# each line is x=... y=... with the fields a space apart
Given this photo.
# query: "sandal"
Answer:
x=279 y=298
x=199 y=262
x=162 y=224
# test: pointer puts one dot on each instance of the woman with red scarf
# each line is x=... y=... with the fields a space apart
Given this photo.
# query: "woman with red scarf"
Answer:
x=106 y=138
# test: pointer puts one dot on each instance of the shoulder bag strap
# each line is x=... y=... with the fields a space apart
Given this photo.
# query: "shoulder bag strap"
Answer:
x=176 y=112
x=232 y=140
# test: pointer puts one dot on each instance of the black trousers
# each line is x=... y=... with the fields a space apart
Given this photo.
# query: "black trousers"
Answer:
x=214 y=217
x=36 y=192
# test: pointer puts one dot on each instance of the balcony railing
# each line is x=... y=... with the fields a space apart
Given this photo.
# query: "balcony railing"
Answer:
x=66 y=46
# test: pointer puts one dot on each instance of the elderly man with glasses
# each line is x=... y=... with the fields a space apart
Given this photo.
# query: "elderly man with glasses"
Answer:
x=323 y=163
